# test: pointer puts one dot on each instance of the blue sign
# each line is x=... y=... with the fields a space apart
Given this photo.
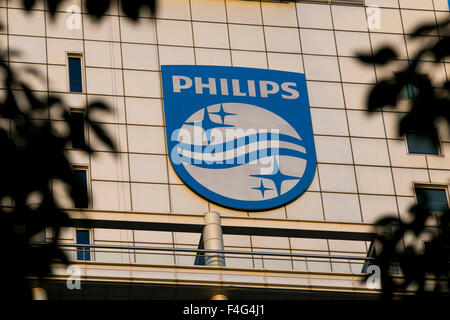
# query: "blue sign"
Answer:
x=239 y=137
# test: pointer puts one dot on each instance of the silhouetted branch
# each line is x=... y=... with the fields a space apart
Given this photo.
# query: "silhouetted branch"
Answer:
x=33 y=157
x=404 y=262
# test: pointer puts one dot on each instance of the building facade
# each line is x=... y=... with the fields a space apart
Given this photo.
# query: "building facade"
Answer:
x=143 y=226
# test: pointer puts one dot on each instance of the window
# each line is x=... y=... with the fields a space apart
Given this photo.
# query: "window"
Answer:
x=81 y=200
x=75 y=73
x=434 y=199
x=371 y=253
x=409 y=91
x=77 y=129
x=428 y=248
x=83 y=237
x=419 y=143
x=200 y=256
x=40 y=237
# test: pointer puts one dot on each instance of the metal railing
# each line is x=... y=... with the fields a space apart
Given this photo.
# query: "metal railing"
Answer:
x=267 y=260
x=335 y=2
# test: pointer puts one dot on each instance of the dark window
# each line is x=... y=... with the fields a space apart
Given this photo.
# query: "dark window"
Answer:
x=408 y=92
x=83 y=253
x=370 y=254
x=200 y=256
x=434 y=199
x=428 y=247
x=419 y=143
x=75 y=74
x=81 y=199
x=77 y=130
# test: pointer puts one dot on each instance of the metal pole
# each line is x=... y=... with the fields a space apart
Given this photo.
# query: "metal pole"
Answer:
x=39 y=293
x=213 y=240
x=219 y=297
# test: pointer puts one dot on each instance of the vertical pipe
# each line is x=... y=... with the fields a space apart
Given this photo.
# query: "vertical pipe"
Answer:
x=213 y=239
x=39 y=293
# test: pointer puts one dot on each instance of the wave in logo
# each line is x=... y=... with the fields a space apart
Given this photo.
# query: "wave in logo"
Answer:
x=219 y=142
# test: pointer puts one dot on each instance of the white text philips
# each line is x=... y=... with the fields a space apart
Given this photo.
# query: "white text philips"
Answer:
x=235 y=87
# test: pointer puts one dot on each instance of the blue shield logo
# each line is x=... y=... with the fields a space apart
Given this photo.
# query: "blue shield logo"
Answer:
x=239 y=137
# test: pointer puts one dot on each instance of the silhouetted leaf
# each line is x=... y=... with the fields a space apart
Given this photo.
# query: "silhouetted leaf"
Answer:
x=383 y=56
x=98 y=106
x=53 y=100
x=28 y=4
x=423 y=30
x=53 y=6
x=385 y=221
x=35 y=156
x=101 y=134
x=385 y=93
x=32 y=99
x=441 y=49
x=35 y=72
x=132 y=8
x=153 y=5
x=98 y=7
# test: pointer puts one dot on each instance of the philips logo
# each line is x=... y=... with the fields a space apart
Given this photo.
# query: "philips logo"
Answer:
x=239 y=137
x=233 y=87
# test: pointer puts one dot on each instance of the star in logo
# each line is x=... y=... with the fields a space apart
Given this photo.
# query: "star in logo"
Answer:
x=276 y=176
x=262 y=188
x=222 y=114
x=207 y=124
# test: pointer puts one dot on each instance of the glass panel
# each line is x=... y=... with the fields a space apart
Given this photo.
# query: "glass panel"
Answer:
x=154 y=257
x=185 y=258
x=318 y=265
x=277 y=263
x=299 y=264
x=340 y=265
x=433 y=199
x=409 y=92
x=421 y=144
x=83 y=238
x=77 y=129
x=81 y=201
x=238 y=261
x=75 y=75
x=199 y=259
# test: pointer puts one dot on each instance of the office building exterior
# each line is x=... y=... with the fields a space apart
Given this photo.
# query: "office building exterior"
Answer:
x=144 y=226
